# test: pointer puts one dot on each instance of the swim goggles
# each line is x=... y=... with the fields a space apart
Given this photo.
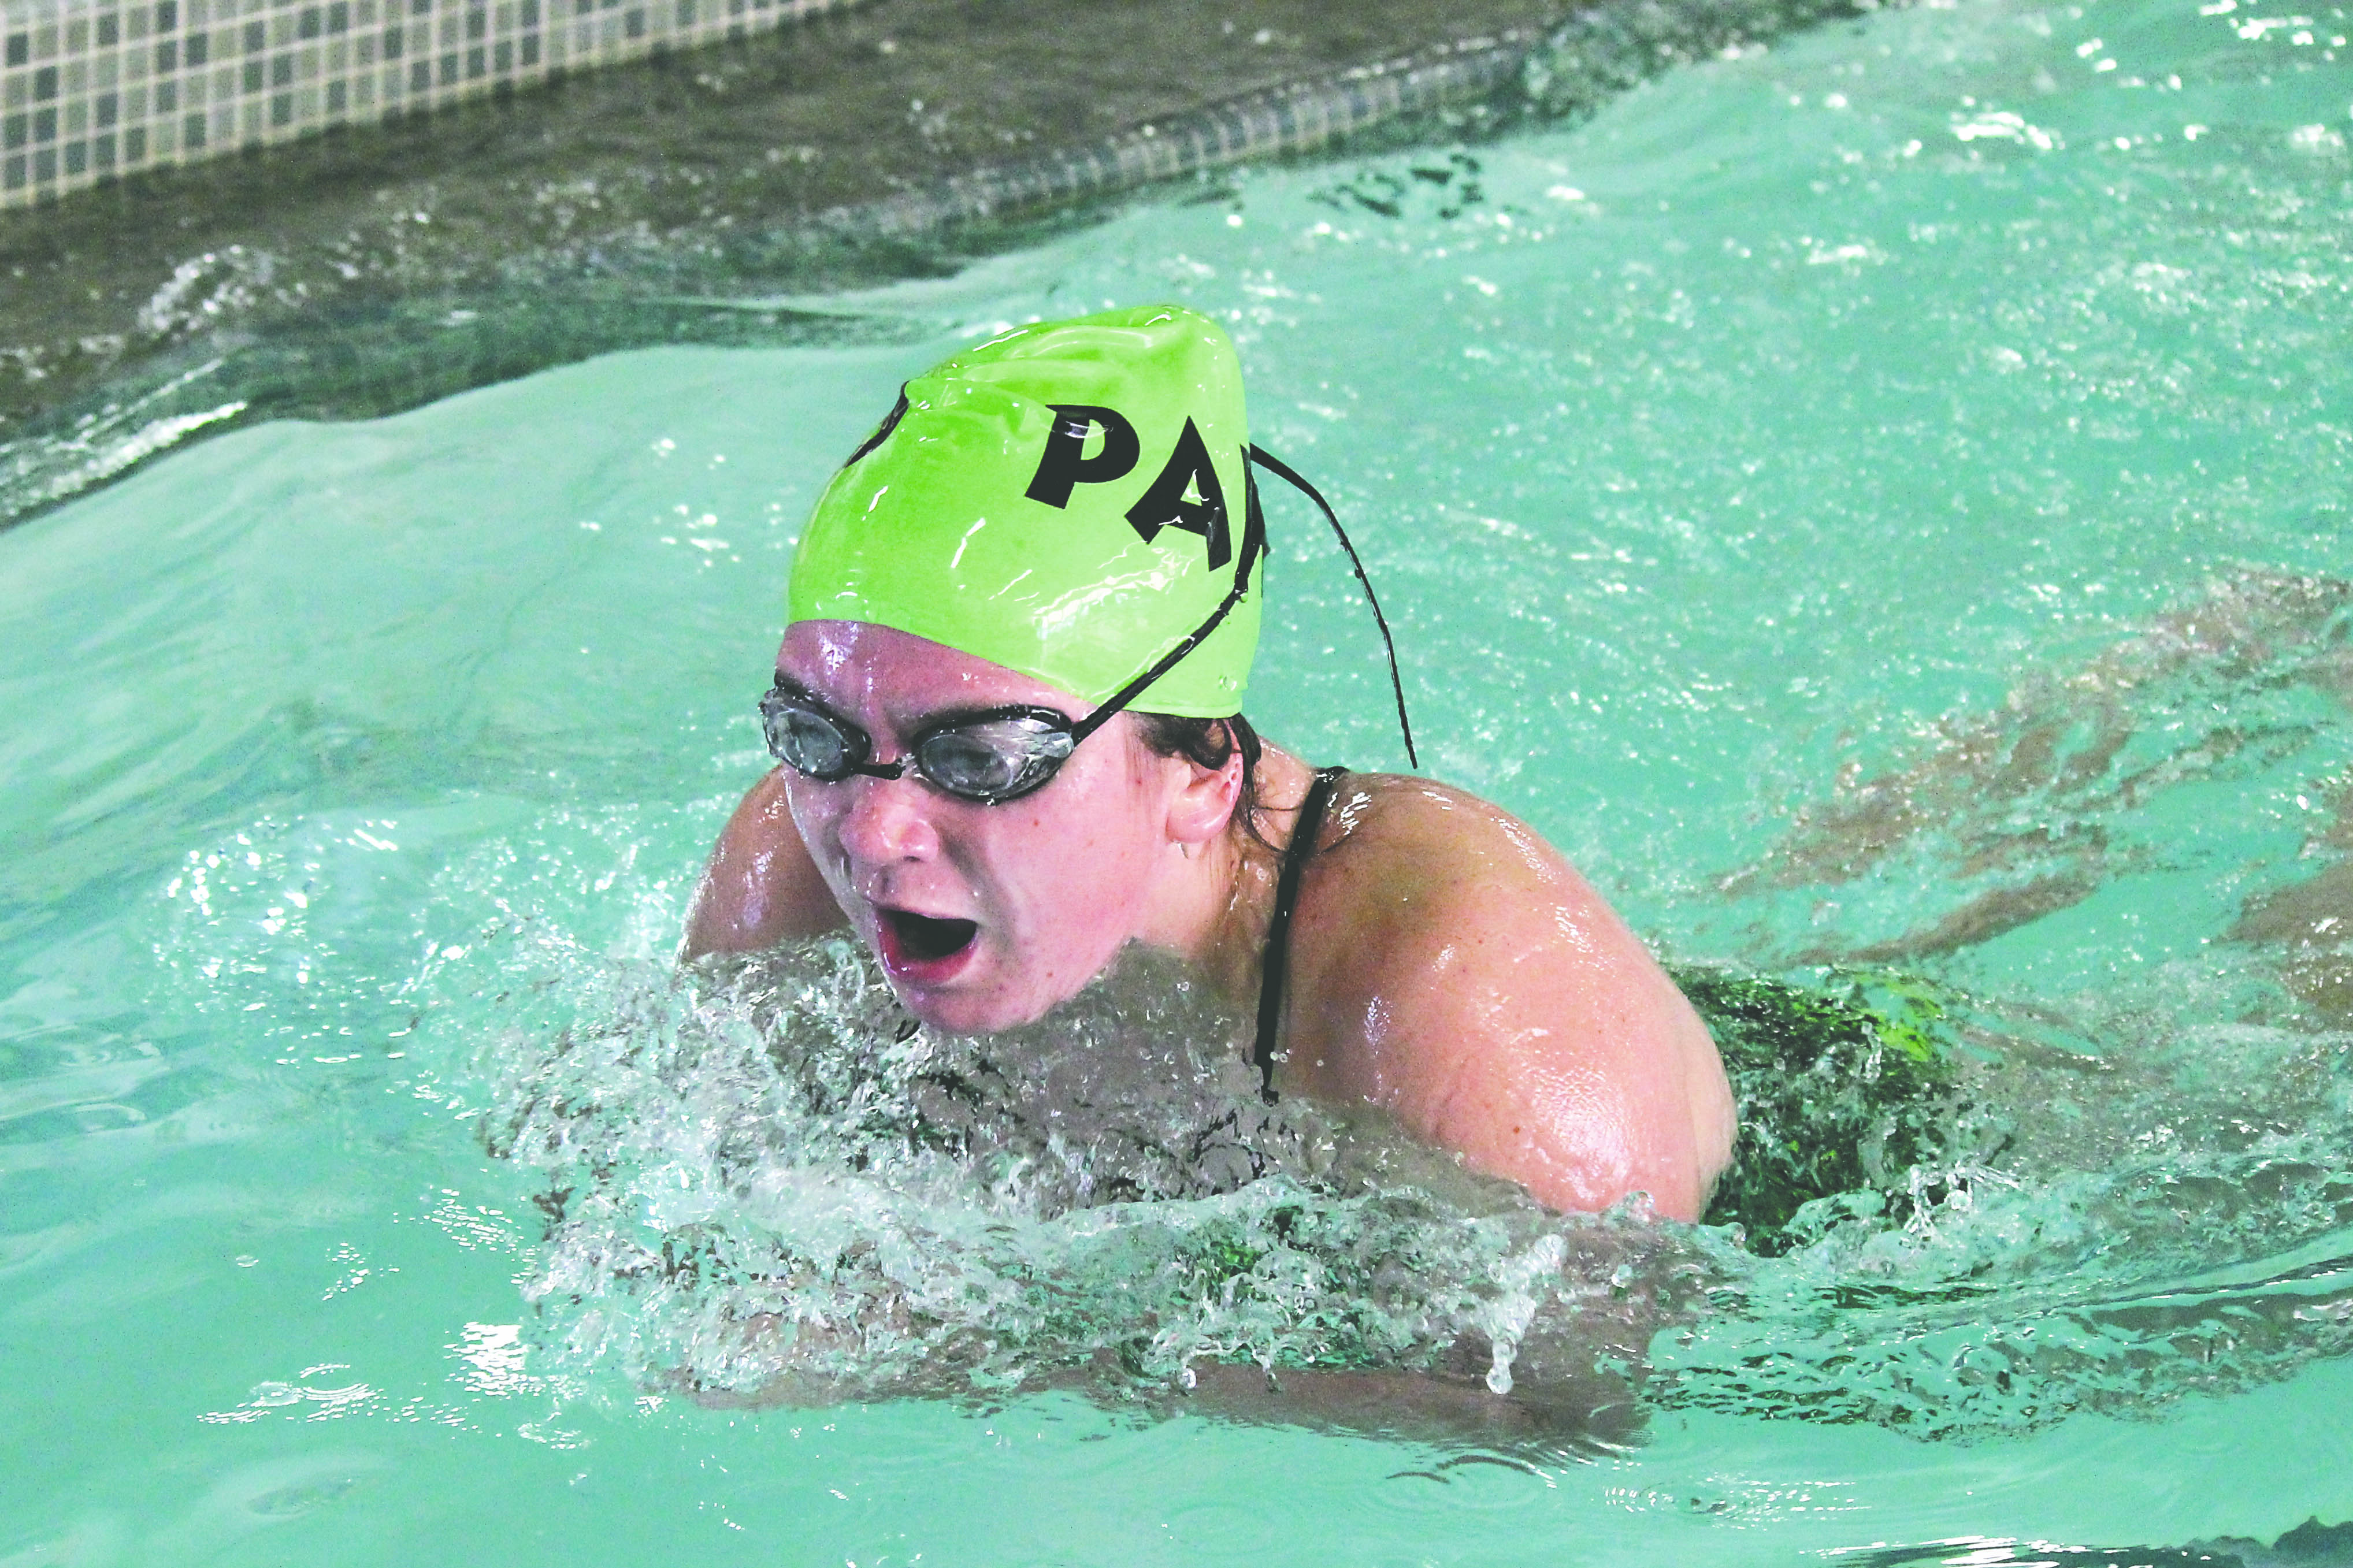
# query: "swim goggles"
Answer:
x=996 y=755
x=991 y=756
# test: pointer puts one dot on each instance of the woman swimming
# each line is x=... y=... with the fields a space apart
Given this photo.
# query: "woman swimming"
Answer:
x=1036 y=546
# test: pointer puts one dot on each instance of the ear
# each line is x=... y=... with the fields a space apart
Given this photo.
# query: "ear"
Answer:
x=1204 y=800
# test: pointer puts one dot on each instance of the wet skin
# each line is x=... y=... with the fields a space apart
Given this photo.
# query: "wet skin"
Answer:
x=1447 y=964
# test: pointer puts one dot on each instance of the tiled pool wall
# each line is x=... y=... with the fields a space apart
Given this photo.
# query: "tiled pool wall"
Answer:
x=90 y=89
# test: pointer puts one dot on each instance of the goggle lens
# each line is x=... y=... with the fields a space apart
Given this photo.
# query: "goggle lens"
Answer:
x=804 y=739
x=994 y=760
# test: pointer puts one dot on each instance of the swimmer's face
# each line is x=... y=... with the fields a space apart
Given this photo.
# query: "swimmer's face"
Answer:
x=984 y=916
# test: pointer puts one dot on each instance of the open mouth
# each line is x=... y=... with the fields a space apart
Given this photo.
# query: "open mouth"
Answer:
x=921 y=939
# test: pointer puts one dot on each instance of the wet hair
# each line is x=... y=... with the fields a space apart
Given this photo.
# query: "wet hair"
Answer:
x=1211 y=744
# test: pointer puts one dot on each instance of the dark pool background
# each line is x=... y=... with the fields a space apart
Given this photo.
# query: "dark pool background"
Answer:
x=1882 y=500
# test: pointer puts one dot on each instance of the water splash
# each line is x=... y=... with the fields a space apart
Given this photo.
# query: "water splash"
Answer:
x=768 y=1183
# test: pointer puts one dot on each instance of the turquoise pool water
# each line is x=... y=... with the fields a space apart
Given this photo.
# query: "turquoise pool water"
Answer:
x=1882 y=502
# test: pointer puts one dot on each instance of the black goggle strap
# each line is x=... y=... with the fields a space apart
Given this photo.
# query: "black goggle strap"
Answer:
x=1284 y=470
x=1253 y=546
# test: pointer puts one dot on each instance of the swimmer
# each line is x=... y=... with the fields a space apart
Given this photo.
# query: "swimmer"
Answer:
x=1007 y=718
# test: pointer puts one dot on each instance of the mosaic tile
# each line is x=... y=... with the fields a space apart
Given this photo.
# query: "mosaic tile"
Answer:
x=91 y=89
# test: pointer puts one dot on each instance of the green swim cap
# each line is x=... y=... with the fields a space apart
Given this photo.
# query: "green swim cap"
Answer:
x=1070 y=500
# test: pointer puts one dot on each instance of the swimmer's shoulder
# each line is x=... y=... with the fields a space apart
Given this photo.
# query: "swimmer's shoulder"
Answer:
x=1449 y=962
x=1417 y=885
x=760 y=886
x=1395 y=839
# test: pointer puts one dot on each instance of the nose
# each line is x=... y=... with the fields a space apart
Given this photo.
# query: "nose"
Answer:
x=889 y=820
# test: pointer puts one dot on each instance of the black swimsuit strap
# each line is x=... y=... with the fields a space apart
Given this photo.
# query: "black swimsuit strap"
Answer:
x=1304 y=835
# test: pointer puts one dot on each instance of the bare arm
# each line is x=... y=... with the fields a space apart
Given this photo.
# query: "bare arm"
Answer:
x=1456 y=970
x=761 y=887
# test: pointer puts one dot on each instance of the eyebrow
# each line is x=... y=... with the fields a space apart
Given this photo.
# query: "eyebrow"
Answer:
x=791 y=688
